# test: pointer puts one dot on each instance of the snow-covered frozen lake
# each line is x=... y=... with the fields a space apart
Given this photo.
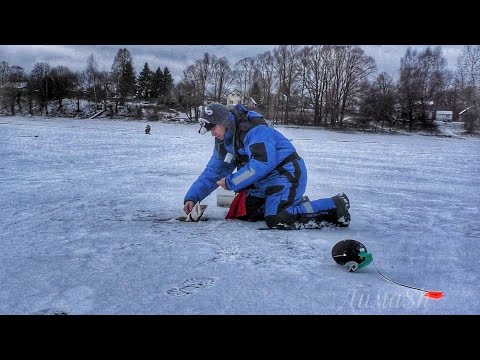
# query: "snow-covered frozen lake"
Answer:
x=88 y=226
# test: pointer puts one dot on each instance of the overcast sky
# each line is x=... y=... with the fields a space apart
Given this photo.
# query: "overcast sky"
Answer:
x=178 y=57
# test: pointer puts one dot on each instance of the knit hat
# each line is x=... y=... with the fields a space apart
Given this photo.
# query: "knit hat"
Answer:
x=211 y=115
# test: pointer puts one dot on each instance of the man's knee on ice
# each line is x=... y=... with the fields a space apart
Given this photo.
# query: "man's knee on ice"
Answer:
x=282 y=219
x=254 y=207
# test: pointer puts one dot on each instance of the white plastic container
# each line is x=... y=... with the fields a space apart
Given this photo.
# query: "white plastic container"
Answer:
x=224 y=197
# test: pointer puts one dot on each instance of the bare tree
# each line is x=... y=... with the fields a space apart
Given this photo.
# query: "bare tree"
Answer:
x=203 y=69
x=433 y=76
x=105 y=86
x=244 y=72
x=452 y=97
x=187 y=97
x=221 y=78
x=315 y=61
x=351 y=68
x=423 y=82
x=39 y=83
x=287 y=65
x=77 y=88
x=468 y=65
x=63 y=80
x=378 y=100
x=409 y=86
x=199 y=77
x=192 y=84
x=91 y=76
x=265 y=71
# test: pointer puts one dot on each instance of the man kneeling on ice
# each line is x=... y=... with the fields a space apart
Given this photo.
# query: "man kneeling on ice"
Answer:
x=271 y=177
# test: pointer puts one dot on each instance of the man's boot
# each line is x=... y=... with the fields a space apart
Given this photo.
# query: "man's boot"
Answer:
x=342 y=204
x=332 y=210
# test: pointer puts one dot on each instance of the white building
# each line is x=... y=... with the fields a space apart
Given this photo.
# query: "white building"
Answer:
x=444 y=115
x=234 y=98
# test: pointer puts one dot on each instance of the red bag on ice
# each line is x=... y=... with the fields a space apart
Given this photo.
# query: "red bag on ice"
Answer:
x=238 y=207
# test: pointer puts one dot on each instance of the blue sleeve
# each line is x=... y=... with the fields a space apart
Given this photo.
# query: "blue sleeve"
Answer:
x=260 y=147
x=215 y=170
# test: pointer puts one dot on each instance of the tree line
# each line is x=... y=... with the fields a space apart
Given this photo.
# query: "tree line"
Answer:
x=319 y=85
x=107 y=89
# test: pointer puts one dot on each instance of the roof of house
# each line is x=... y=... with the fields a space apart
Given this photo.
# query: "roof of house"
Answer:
x=234 y=91
x=444 y=112
x=461 y=112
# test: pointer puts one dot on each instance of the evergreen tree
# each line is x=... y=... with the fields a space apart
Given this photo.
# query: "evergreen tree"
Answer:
x=157 y=83
x=127 y=85
x=167 y=80
x=145 y=82
x=166 y=86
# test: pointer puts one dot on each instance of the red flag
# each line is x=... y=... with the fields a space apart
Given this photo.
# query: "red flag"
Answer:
x=238 y=207
x=434 y=294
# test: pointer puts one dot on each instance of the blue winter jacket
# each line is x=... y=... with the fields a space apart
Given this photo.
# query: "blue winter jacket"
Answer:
x=265 y=148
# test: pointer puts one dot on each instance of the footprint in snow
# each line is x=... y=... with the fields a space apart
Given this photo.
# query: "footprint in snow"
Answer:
x=190 y=286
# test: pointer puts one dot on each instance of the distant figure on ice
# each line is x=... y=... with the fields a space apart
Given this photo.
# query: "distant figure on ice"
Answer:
x=147 y=129
x=271 y=177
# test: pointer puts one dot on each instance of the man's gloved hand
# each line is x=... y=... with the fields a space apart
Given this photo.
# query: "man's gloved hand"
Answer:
x=196 y=213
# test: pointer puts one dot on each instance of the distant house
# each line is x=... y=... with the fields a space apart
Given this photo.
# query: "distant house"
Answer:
x=444 y=115
x=462 y=114
x=235 y=97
